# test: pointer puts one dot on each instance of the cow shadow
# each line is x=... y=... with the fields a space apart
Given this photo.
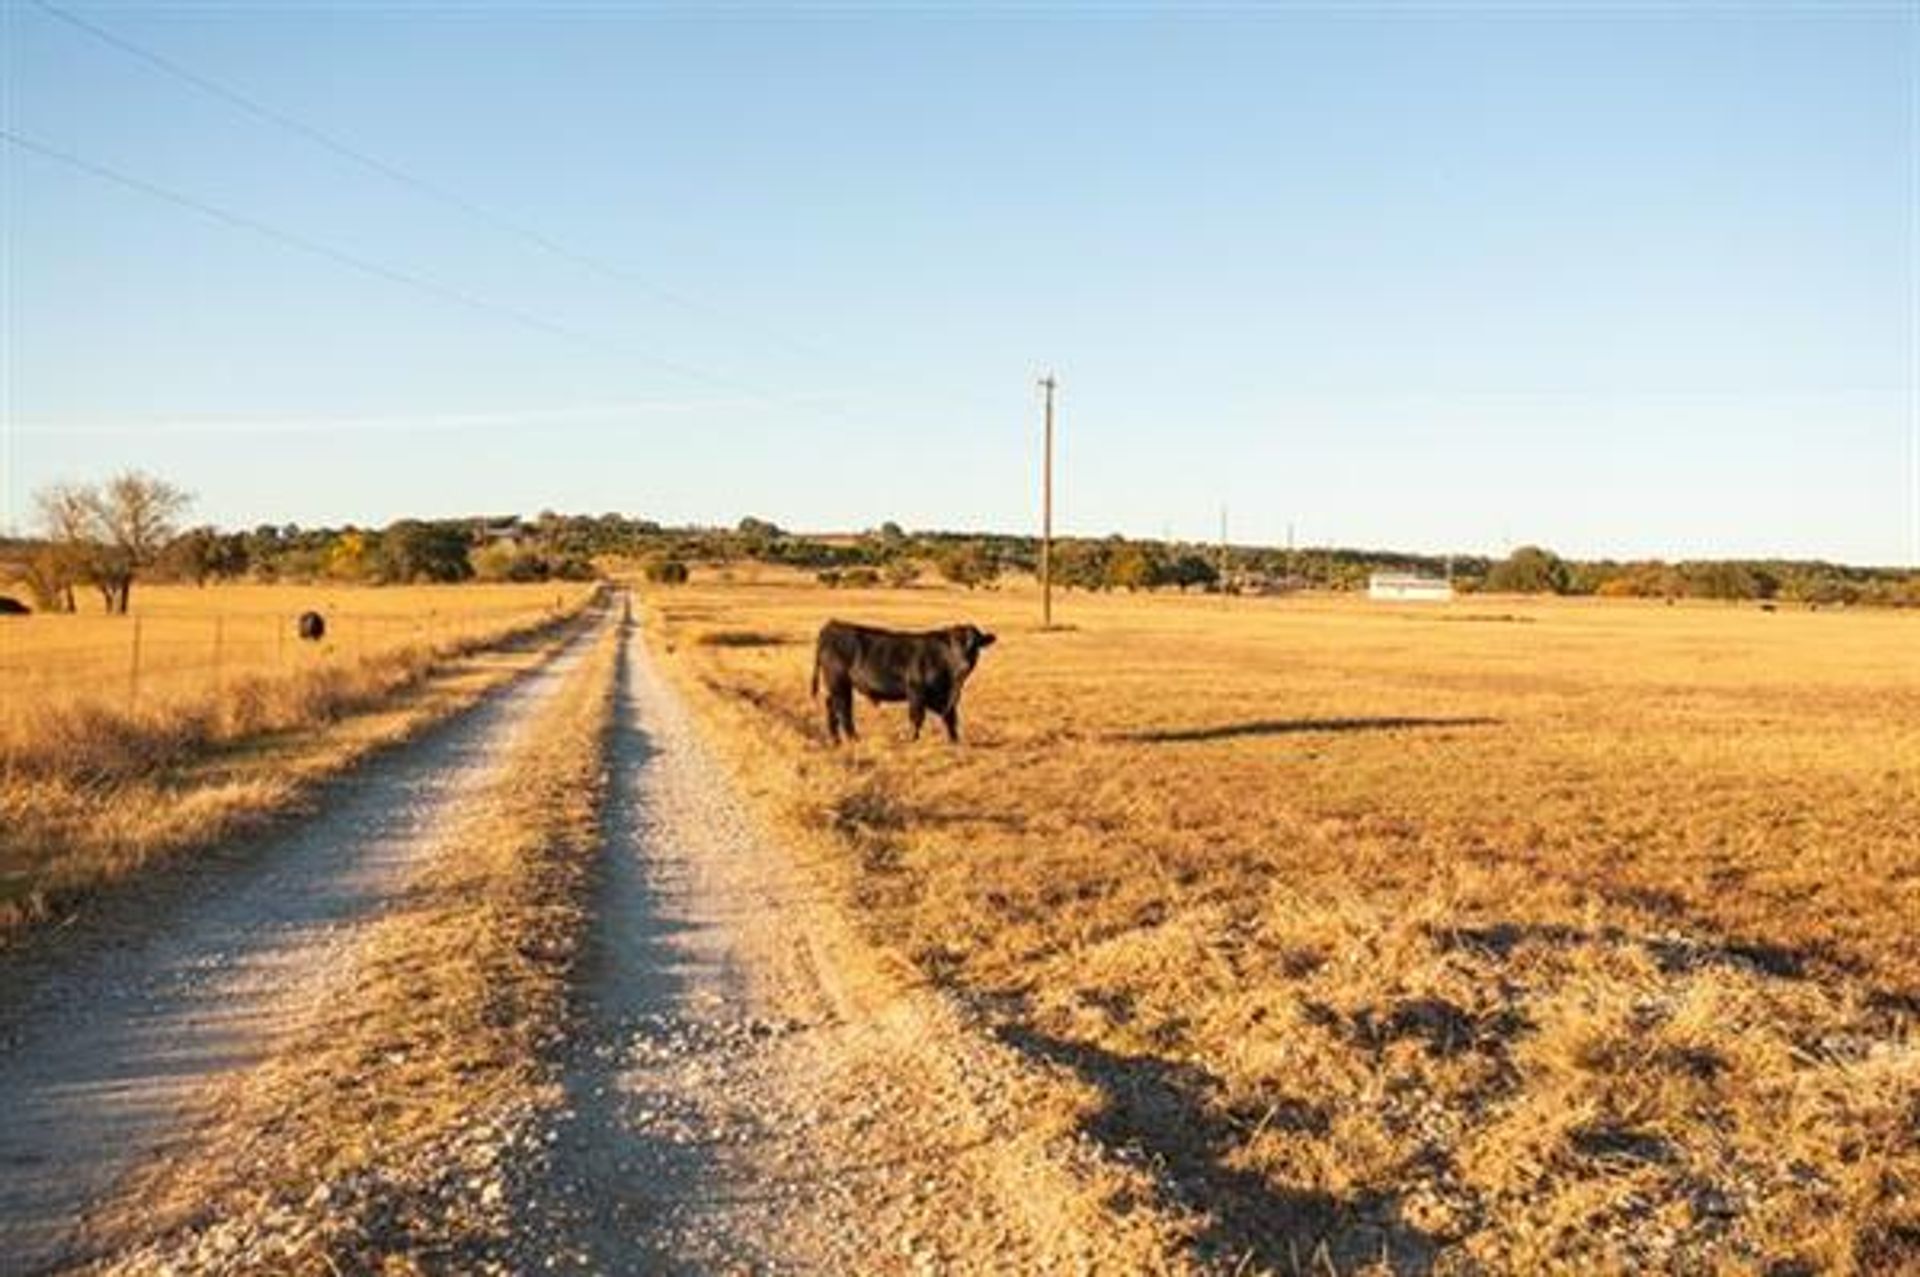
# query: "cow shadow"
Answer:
x=1300 y=726
x=1672 y=954
x=1156 y=1109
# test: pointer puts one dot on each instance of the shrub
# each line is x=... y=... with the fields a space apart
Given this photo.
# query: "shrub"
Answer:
x=667 y=572
x=1720 y=580
x=1135 y=566
x=968 y=564
x=572 y=567
x=498 y=561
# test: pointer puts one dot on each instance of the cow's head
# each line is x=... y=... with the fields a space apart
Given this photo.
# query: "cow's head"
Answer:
x=970 y=641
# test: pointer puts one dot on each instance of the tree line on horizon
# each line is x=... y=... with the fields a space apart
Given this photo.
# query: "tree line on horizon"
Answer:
x=103 y=536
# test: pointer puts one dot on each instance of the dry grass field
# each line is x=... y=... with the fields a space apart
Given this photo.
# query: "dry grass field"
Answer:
x=188 y=640
x=125 y=738
x=1502 y=935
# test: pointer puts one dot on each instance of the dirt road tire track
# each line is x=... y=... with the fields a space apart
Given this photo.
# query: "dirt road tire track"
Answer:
x=108 y=1045
x=753 y=1089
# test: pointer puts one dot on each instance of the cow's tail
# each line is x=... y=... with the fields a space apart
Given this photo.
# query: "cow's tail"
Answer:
x=816 y=676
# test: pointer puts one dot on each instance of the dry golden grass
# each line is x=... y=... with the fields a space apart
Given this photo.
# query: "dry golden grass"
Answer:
x=377 y=1139
x=96 y=782
x=193 y=641
x=1506 y=934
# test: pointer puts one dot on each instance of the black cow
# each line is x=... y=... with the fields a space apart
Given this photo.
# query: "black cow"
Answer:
x=312 y=627
x=927 y=671
x=13 y=607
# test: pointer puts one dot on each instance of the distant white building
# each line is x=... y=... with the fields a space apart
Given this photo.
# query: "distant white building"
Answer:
x=503 y=532
x=1408 y=587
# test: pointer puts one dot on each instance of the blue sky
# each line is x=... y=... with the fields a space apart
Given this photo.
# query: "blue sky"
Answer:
x=1621 y=281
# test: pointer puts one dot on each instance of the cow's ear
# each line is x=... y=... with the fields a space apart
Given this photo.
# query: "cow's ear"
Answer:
x=986 y=639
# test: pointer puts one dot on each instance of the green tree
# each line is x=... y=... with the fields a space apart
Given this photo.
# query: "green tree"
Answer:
x=1132 y=568
x=1081 y=564
x=1530 y=570
x=411 y=550
x=968 y=564
x=192 y=556
x=1722 y=580
x=757 y=537
x=350 y=557
x=667 y=572
x=1192 y=569
x=504 y=561
x=1593 y=578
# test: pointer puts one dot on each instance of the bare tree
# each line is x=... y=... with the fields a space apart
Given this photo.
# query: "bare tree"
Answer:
x=109 y=534
x=50 y=579
x=66 y=516
x=140 y=515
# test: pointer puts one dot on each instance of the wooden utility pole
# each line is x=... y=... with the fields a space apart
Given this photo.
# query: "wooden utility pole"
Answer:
x=1223 y=550
x=133 y=668
x=1047 y=384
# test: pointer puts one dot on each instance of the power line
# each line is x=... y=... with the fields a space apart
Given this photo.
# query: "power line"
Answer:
x=9 y=472
x=407 y=279
x=1913 y=289
x=393 y=275
x=1047 y=384
x=571 y=415
x=419 y=185
x=433 y=191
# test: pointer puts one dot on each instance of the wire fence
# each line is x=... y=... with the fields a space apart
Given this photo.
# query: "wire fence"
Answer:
x=144 y=658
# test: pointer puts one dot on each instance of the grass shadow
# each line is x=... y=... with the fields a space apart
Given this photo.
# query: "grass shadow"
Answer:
x=1671 y=953
x=742 y=638
x=1157 y=1108
x=1299 y=726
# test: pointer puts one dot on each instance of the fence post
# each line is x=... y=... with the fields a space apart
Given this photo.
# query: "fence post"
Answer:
x=133 y=667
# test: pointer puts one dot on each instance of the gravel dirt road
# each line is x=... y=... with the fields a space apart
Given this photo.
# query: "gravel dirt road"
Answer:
x=110 y=1039
x=752 y=1091
x=750 y=1086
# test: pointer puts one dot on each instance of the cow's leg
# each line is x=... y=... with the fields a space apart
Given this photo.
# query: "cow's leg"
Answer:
x=833 y=716
x=843 y=702
x=916 y=714
x=952 y=720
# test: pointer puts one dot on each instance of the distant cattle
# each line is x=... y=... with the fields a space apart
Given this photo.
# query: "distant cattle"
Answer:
x=926 y=670
x=312 y=626
x=13 y=607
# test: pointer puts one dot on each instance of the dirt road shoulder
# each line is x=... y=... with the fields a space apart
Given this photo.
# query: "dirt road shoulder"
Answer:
x=119 y=1054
